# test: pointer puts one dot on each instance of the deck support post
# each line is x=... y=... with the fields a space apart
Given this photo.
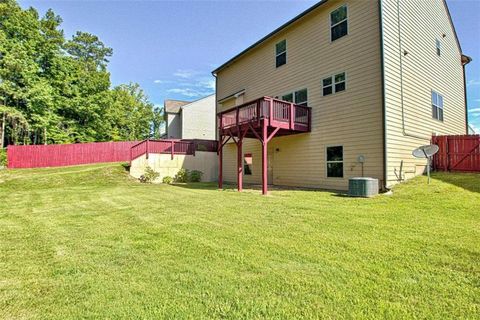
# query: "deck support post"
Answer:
x=239 y=165
x=264 y=142
x=220 y=163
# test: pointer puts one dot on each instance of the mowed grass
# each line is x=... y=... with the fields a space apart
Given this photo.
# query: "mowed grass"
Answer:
x=89 y=242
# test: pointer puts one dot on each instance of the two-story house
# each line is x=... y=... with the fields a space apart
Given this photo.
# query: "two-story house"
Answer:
x=190 y=120
x=345 y=89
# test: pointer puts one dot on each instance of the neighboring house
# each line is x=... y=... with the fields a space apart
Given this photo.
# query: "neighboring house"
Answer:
x=358 y=84
x=173 y=118
x=190 y=120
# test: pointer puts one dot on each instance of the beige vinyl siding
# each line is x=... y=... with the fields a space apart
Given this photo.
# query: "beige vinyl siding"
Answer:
x=198 y=119
x=352 y=118
x=422 y=22
x=174 y=126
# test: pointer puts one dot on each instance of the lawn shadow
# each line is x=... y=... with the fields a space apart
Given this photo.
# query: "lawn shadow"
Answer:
x=250 y=187
x=464 y=180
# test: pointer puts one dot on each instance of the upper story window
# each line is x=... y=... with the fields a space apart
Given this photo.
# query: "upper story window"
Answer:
x=281 y=53
x=335 y=162
x=334 y=84
x=437 y=106
x=299 y=97
x=438 y=45
x=338 y=23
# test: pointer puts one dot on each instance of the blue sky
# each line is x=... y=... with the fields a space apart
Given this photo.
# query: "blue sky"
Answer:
x=170 y=47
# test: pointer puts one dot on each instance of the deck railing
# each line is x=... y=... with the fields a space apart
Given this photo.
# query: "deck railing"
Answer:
x=172 y=147
x=279 y=113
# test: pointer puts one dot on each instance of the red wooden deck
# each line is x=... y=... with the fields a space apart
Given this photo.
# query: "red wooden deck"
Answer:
x=262 y=119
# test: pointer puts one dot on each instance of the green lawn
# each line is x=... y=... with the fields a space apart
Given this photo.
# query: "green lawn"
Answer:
x=88 y=242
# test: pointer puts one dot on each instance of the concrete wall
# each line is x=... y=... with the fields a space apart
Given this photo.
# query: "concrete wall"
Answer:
x=207 y=162
x=198 y=119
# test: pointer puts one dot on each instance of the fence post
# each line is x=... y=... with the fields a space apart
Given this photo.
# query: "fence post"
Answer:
x=270 y=112
x=194 y=147
x=447 y=151
x=146 y=149
x=172 y=151
x=292 y=116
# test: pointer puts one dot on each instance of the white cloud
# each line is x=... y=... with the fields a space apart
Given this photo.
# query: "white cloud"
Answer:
x=207 y=84
x=474 y=110
x=474 y=127
x=189 y=92
x=162 y=81
x=473 y=83
x=185 y=73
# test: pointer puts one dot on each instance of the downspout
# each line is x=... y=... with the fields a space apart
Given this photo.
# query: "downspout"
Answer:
x=465 y=60
x=384 y=103
x=401 y=55
x=216 y=106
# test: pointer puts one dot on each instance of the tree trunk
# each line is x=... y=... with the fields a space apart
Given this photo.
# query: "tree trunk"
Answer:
x=2 y=133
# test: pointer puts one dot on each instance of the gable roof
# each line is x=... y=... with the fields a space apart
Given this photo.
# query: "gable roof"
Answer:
x=268 y=36
x=300 y=16
x=173 y=106
x=189 y=105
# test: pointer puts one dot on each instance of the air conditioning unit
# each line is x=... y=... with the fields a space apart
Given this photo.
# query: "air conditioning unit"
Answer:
x=362 y=187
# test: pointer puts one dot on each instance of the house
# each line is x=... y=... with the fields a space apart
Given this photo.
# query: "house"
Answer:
x=190 y=120
x=348 y=88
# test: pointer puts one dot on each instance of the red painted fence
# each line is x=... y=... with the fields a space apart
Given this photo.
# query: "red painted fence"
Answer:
x=173 y=147
x=457 y=153
x=59 y=155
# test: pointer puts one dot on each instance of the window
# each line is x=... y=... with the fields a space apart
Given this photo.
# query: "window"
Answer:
x=335 y=162
x=288 y=97
x=338 y=23
x=281 y=53
x=247 y=164
x=334 y=84
x=437 y=106
x=438 y=46
x=299 y=97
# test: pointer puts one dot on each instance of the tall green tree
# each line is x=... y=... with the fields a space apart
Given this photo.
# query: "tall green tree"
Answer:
x=59 y=90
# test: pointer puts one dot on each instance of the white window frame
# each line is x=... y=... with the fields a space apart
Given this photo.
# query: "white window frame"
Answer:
x=293 y=95
x=331 y=26
x=438 y=47
x=327 y=162
x=332 y=77
x=279 y=54
x=437 y=105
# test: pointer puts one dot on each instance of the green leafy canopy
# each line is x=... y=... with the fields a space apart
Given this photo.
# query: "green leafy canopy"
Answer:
x=54 y=90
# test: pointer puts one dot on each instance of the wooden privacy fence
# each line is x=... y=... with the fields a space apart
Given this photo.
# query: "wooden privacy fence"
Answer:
x=59 y=155
x=457 y=153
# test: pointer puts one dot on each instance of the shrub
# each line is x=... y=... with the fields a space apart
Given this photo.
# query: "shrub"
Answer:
x=149 y=176
x=167 y=180
x=182 y=175
x=195 y=176
x=3 y=158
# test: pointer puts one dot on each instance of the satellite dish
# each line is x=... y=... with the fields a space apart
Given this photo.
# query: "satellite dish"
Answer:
x=426 y=152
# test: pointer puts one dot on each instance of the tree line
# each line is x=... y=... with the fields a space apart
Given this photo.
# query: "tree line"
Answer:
x=54 y=90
